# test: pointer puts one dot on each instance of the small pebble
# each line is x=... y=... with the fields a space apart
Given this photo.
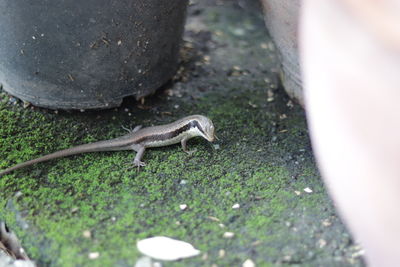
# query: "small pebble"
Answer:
x=290 y=104
x=248 y=263
x=18 y=194
x=359 y=253
x=144 y=262
x=251 y=104
x=228 y=235
x=13 y=100
x=204 y=257
x=218 y=33
x=283 y=116
x=87 y=234
x=74 y=209
x=236 y=206
x=270 y=95
x=238 y=31
x=326 y=223
x=26 y=104
x=94 y=255
x=308 y=190
x=321 y=243
x=212 y=218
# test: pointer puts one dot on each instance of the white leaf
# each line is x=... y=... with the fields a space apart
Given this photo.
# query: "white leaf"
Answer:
x=165 y=248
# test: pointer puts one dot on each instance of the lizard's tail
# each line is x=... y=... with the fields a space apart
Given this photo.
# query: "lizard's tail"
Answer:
x=93 y=147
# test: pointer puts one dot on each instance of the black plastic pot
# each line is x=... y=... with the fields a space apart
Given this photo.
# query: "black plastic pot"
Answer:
x=88 y=54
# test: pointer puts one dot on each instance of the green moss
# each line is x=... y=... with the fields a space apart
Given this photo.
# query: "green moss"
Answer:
x=100 y=193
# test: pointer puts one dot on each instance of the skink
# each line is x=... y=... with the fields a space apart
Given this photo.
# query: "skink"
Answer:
x=139 y=139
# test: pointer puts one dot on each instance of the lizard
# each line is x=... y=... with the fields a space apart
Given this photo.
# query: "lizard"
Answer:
x=139 y=139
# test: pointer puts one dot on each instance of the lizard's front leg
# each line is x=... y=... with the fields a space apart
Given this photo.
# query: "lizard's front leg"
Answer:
x=184 y=146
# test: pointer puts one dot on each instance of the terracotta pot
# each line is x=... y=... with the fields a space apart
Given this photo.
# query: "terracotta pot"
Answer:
x=350 y=54
x=281 y=18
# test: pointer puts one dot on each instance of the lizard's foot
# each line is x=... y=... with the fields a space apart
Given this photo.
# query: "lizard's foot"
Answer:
x=137 y=128
x=126 y=129
x=190 y=152
x=138 y=164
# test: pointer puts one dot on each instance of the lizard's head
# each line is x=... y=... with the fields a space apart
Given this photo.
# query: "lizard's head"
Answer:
x=205 y=127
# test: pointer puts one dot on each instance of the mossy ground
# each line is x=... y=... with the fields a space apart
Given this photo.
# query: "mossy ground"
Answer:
x=263 y=161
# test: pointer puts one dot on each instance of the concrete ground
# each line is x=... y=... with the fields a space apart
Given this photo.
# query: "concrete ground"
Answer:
x=65 y=209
